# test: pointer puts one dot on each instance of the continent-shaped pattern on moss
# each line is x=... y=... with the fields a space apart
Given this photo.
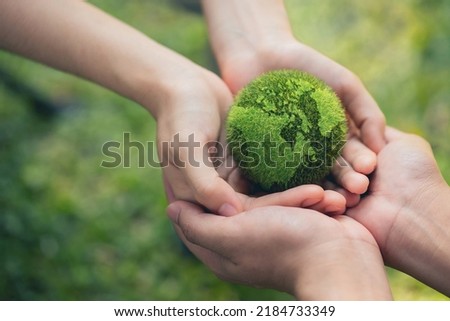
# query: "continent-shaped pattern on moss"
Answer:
x=286 y=128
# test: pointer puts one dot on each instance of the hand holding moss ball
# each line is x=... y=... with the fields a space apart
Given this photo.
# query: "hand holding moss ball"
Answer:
x=286 y=128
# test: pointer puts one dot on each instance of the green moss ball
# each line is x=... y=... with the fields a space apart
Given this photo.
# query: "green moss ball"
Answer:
x=286 y=128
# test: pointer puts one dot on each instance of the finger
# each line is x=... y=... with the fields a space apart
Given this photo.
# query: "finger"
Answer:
x=208 y=231
x=363 y=110
x=359 y=156
x=168 y=189
x=352 y=129
x=300 y=196
x=208 y=187
x=228 y=168
x=351 y=199
x=367 y=120
x=332 y=203
x=360 y=105
x=233 y=176
x=348 y=178
x=211 y=259
x=393 y=134
x=238 y=182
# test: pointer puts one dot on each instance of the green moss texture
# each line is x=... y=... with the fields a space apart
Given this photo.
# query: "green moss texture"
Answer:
x=286 y=128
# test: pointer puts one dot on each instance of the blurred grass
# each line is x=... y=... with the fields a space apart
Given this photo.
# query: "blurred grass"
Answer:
x=71 y=230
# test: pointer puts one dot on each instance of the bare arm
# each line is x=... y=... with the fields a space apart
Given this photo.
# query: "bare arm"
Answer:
x=78 y=38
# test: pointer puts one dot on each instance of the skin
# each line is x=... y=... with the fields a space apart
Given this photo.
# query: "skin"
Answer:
x=181 y=95
x=407 y=210
x=184 y=98
x=254 y=36
x=303 y=252
x=403 y=220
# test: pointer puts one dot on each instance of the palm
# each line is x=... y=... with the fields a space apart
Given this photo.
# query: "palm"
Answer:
x=406 y=168
x=300 y=233
x=236 y=248
x=192 y=121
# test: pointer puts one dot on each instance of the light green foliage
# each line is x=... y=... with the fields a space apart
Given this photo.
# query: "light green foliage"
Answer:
x=71 y=230
x=286 y=128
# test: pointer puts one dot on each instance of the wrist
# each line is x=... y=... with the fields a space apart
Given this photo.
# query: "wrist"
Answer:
x=153 y=83
x=354 y=270
x=245 y=28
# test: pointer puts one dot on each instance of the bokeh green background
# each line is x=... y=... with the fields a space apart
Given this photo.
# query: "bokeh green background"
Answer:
x=71 y=230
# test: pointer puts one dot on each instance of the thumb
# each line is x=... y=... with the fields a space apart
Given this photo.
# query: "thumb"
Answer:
x=393 y=134
x=208 y=187
x=212 y=191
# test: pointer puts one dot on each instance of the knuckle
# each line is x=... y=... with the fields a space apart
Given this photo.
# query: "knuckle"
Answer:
x=379 y=118
x=203 y=190
x=188 y=231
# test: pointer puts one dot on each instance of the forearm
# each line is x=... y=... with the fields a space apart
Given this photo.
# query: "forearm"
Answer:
x=354 y=272
x=421 y=244
x=76 y=37
x=245 y=25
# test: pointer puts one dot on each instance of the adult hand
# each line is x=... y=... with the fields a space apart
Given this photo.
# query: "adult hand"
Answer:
x=300 y=251
x=346 y=179
x=406 y=210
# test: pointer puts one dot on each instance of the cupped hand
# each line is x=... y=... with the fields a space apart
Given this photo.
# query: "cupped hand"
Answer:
x=307 y=196
x=252 y=37
x=366 y=117
x=349 y=175
x=299 y=251
x=366 y=121
x=188 y=127
x=404 y=185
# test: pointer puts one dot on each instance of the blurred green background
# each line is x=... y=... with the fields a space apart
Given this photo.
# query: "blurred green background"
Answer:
x=71 y=230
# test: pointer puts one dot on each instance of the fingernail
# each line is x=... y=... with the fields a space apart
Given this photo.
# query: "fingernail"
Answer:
x=227 y=210
x=173 y=211
x=332 y=208
x=311 y=202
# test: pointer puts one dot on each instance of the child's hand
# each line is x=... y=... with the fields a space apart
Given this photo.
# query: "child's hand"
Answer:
x=406 y=210
x=193 y=119
x=306 y=196
x=367 y=118
x=255 y=37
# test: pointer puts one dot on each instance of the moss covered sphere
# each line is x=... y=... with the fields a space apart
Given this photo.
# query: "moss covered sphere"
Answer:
x=286 y=128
